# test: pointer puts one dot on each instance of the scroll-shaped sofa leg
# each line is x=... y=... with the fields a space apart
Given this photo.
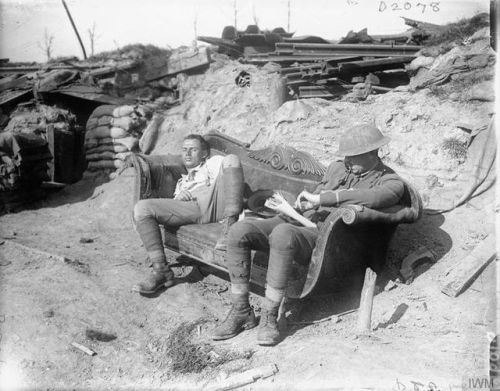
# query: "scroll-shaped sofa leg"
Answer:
x=366 y=302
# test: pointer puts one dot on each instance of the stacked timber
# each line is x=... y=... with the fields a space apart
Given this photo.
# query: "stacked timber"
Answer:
x=24 y=165
x=331 y=71
x=113 y=133
x=59 y=128
x=333 y=78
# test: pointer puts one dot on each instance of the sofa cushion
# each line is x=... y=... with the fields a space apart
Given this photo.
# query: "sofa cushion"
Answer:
x=197 y=240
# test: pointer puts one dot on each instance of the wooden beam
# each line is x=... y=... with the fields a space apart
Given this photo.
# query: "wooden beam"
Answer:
x=75 y=29
x=366 y=303
x=463 y=273
x=51 y=141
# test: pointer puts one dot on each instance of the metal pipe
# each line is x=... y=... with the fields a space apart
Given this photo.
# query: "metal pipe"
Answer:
x=74 y=28
x=355 y=46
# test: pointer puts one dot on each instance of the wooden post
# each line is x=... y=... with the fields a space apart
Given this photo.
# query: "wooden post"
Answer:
x=52 y=149
x=75 y=29
x=366 y=302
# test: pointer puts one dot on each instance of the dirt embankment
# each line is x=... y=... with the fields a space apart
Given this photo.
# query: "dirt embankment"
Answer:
x=429 y=127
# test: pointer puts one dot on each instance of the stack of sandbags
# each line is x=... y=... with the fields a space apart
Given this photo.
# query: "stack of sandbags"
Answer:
x=113 y=133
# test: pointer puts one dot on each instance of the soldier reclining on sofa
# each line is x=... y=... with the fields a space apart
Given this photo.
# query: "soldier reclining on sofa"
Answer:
x=211 y=190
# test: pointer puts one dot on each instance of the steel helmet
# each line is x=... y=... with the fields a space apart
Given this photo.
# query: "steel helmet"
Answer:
x=361 y=139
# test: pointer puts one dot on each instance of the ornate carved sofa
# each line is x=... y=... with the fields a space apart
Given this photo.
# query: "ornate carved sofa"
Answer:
x=352 y=237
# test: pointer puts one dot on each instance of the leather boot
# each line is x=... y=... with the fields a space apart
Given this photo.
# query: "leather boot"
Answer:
x=222 y=241
x=162 y=276
x=240 y=317
x=269 y=334
x=233 y=187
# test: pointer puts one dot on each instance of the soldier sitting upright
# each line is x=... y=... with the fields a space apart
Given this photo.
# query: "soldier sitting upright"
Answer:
x=360 y=179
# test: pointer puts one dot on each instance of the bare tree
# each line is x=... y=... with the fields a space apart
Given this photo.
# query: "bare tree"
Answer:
x=46 y=45
x=235 y=13
x=92 y=38
x=195 y=23
x=255 y=18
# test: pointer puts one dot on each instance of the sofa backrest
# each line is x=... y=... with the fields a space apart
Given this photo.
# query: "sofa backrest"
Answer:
x=274 y=168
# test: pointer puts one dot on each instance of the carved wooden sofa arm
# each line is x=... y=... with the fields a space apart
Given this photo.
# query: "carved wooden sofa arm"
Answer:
x=398 y=214
x=155 y=175
x=353 y=237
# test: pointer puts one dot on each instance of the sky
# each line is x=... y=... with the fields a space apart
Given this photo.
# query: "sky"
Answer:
x=171 y=23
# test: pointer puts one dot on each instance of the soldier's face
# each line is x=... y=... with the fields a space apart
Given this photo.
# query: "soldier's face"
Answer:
x=359 y=163
x=192 y=153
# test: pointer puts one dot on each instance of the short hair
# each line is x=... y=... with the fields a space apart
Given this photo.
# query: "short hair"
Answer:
x=203 y=143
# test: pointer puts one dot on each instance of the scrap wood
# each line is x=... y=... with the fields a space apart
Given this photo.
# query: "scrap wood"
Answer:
x=463 y=274
x=83 y=349
x=336 y=318
x=39 y=252
x=244 y=378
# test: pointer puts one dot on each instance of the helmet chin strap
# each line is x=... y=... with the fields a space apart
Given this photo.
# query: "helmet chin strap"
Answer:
x=350 y=166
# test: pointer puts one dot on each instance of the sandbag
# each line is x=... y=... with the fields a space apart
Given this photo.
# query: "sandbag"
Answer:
x=150 y=135
x=122 y=155
x=91 y=143
x=103 y=110
x=126 y=123
x=102 y=164
x=104 y=120
x=130 y=142
x=108 y=148
x=105 y=141
x=91 y=123
x=100 y=156
x=123 y=111
x=105 y=131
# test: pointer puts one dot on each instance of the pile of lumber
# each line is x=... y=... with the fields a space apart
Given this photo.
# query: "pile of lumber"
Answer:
x=334 y=77
x=24 y=160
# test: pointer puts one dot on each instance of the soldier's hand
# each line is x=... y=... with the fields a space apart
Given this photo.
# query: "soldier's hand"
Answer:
x=184 y=195
x=306 y=200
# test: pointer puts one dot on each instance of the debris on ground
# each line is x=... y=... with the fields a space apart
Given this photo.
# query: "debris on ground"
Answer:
x=413 y=261
x=96 y=335
x=242 y=379
x=84 y=349
x=188 y=356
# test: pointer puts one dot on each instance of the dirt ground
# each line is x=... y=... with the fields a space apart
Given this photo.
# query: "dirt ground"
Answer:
x=48 y=302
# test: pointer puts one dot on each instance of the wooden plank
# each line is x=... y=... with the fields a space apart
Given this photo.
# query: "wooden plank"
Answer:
x=10 y=82
x=51 y=143
x=38 y=252
x=463 y=274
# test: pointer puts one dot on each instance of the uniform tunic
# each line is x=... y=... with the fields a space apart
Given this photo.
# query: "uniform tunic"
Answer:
x=286 y=240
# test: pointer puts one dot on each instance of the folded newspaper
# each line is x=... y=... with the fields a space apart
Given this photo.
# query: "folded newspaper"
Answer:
x=278 y=203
